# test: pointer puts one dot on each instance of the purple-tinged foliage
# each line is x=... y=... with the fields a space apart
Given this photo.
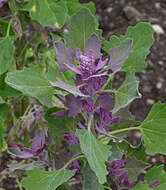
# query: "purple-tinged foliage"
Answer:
x=71 y=138
x=37 y=150
x=154 y=183
x=117 y=174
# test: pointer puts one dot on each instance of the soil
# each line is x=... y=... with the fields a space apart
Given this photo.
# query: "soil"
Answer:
x=114 y=19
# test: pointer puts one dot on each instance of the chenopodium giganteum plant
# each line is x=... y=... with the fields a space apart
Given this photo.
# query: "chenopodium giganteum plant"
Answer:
x=64 y=117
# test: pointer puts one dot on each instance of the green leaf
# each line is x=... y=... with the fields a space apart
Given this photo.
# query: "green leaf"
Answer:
x=138 y=152
x=48 y=12
x=96 y=153
x=141 y=186
x=153 y=129
x=5 y=90
x=3 y=117
x=59 y=126
x=127 y=92
x=134 y=168
x=90 y=180
x=82 y=26
x=142 y=36
x=32 y=82
x=46 y=180
x=74 y=6
x=157 y=173
x=6 y=54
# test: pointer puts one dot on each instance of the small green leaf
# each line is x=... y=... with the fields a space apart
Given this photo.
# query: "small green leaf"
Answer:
x=134 y=168
x=138 y=152
x=48 y=12
x=74 y=6
x=153 y=130
x=59 y=126
x=127 y=92
x=6 y=54
x=90 y=180
x=5 y=90
x=82 y=26
x=32 y=82
x=142 y=36
x=141 y=186
x=157 y=173
x=96 y=153
x=46 y=180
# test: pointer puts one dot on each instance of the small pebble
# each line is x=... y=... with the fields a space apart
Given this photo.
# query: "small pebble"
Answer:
x=160 y=62
x=158 y=5
x=150 y=101
x=109 y=9
x=131 y=12
x=158 y=29
x=159 y=85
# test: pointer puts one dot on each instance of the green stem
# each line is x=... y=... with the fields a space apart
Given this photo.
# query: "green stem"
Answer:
x=19 y=184
x=109 y=188
x=72 y=160
x=90 y=123
x=126 y=129
x=8 y=28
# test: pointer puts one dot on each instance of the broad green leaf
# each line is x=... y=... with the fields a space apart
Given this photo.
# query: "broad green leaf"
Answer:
x=6 y=54
x=74 y=6
x=59 y=126
x=32 y=82
x=127 y=92
x=90 y=180
x=134 y=168
x=153 y=130
x=141 y=186
x=5 y=90
x=142 y=36
x=48 y=12
x=96 y=153
x=46 y=180
x=82 y=26
x=157 y=173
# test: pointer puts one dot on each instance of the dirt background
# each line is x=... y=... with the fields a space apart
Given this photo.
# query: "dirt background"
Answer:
x=114 y=17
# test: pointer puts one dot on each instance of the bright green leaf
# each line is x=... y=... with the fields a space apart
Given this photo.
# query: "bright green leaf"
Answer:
x=141 y=186
x=142 y=36
x=74 y=6
x=153 y=130
x=82 y=26
x=48 y=12
x=127 y=92
x=6 y=53
x=96 y=153
x=46 y=180
x=32 y=82
x=157 y=173
x=90 y=180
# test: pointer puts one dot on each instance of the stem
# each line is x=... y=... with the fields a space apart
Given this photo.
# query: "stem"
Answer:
x=19 y=184
x=72 y=160
x=126 y=129
x=90 y=123
x=8 y=28
x=105 y=187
